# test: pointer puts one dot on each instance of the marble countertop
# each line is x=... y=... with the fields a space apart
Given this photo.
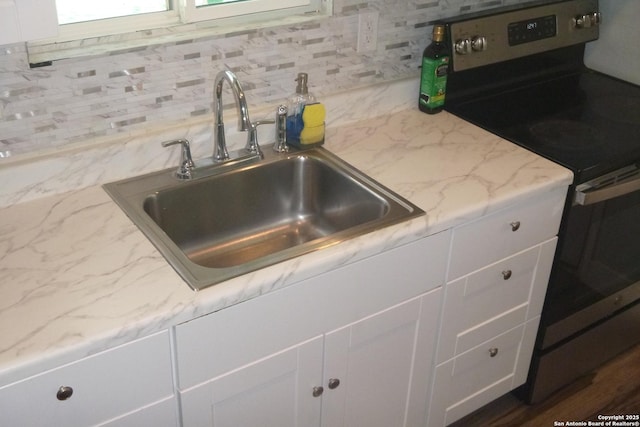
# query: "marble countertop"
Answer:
x=79 y=277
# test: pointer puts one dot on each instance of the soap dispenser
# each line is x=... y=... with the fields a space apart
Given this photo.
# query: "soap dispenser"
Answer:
x=295 y=106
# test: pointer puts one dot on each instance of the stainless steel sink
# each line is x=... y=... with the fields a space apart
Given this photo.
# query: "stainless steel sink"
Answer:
x=250 y=216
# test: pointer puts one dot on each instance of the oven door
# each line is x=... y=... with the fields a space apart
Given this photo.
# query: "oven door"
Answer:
x=597 y=270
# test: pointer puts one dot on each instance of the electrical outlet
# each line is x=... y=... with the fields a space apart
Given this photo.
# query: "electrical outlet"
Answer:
x=368 y=31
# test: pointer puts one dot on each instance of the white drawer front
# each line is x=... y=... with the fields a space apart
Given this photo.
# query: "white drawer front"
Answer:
x=492 y=238
x=475 y=378
x=483 y=304
x=105 y=386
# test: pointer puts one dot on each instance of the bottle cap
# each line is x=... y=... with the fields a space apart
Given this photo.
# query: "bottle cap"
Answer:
x=302 y=80
x=438 y=32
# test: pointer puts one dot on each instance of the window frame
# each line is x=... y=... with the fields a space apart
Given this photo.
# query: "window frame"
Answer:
x=159 y=28
x=191 y=13
x=98 y=37
x=124 y=24
x=184 y=13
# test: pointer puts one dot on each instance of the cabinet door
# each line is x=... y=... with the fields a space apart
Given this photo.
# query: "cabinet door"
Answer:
x=213 y=345
x=377 y=370
x=277 y=391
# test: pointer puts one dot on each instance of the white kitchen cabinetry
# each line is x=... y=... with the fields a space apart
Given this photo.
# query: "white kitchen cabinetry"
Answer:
x=350 y=347
x=130 y=385
x=377 y=370
x=24 y=20
x=497 y=281
x=262 y=393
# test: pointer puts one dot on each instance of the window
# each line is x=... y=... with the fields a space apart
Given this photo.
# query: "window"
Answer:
x=97 y=26
x=87 y=16
x=200 y=10
x=74 y=11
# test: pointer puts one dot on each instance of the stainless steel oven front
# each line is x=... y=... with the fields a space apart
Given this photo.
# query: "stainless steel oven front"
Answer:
x=592 y=307
x=597 y=269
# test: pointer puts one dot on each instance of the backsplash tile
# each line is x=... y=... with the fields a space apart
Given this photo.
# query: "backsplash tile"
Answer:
x=77 y=100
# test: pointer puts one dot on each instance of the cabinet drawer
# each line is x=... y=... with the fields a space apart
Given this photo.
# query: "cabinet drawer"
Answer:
x=474 y=378
x=500 y=234
x=105 y=386
x=494 y=299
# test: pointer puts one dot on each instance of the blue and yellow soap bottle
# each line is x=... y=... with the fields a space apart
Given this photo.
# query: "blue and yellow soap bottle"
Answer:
x=305 y=117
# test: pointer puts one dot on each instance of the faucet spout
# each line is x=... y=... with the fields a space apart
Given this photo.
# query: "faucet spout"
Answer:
x=220 y=152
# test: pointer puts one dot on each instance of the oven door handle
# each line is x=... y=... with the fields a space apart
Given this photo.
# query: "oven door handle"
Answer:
x=588 y=193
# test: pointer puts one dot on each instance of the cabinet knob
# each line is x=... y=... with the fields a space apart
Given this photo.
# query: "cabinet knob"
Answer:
x=493 y=352
x=317 y=391
x=334 y=383
x=515 y=225
x=506 y=274
x=64 y=392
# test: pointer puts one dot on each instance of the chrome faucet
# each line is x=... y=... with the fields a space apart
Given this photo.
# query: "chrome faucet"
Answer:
x=220 y=152
x=251 y=152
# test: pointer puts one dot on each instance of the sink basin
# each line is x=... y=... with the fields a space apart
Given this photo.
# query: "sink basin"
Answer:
x=247 y=217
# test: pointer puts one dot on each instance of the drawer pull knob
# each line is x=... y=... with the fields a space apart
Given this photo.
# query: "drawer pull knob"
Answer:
x=64 y=393
x=334 y=383
x=317 y=391
x=515 y=225
x=506 y=274
x=493 y=352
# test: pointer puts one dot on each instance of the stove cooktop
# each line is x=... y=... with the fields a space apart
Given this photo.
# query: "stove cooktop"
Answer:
x=587 y=121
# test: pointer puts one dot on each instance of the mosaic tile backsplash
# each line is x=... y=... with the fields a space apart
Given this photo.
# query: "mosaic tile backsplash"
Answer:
x=75 y=101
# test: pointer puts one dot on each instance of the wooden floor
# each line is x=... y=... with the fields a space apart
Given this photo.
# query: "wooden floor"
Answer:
x=613 y=389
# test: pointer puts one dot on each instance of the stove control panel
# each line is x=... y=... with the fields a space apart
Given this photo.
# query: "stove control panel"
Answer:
x=508 y=33
x=531 y=30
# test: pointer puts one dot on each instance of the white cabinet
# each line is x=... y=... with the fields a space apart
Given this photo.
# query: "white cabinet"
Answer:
x=498 y=276
x=503 y=233
x=351 y=347
x=263 y=393
x=374 y=372
x=494 y=299
x=24 y=20
x=130 y=385
x=482 y=374
x=377 y=370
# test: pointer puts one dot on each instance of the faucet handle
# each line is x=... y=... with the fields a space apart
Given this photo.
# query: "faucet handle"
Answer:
x=252 y=136
x=280 y=146
x=186 y=162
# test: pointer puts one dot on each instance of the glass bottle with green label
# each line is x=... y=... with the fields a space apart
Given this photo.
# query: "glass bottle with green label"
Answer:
x=433 y=79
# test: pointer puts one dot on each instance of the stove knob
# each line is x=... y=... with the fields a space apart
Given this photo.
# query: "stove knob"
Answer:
x=479 y=43
x=582 y=21
x=587 y=20
x=463 y=46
